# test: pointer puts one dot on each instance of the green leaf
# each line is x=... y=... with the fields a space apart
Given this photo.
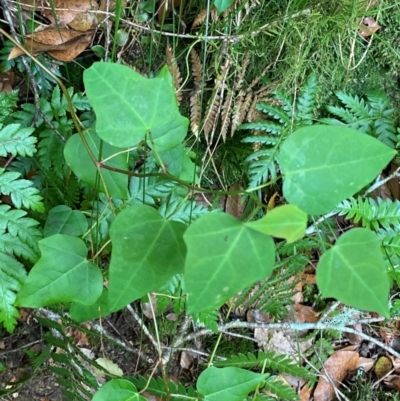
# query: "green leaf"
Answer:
x=112 y=183
x=15 y=140
x=147 y=251
x=354 y=272
x=227 y=384
x=222 y=5
x=100 y=308
x=22 y=192
x=224 y=257
x=322 y=165
x=62 y=274
x=118 y=390
x=287 y=221
x=139 y=106
x=63 y=220
x=12 y=276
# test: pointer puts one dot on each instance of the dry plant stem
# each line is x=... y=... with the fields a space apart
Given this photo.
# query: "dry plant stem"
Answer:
x=100 y=330
x=142 y=326
x=21 y=347
x=287 y=326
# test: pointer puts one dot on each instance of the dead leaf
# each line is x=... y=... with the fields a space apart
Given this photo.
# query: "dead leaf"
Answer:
x=74 y=48
x=109 y=366
x=7 y=79
x=305 y=314
x=84 y=22
x=80 y=338
x=48 y=40
x=368 y=27
x=365 y=363
x=337 y=366
x=186 y=359
x=65 y=11
x=305 y=393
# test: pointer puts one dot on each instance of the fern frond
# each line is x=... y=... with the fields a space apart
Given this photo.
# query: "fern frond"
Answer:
x=199 y=18
x=279 y=363
x=197 y=68
x=275 y=112
x=279 y=388
x=355 y=104
x=264 y=125
x=174 y=71
x=184 y=211
x=18 y=225
x=12 y=276
x=306 y=102
x=22 y=191
x=51 y=149
x=286 y=102
x=372 y=116
x=207 y=319
x=15 y=140
x=13 y=245
x=371 y=213
x=226 y=114
x=212 y=113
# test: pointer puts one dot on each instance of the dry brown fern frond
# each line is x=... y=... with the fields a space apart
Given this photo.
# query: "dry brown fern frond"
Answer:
x=174 y=71
x=226 y=114
x=195 y=112
x=215 y=103
x=253 y=114
x=195 y=97
x=242 y=104
x=202 y=15
x=240 y=76
x=211 y=115
x=197 y=68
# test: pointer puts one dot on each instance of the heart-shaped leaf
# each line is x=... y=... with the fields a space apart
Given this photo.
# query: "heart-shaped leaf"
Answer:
x=286 y=221
x=98 y=309
x=147 y=251
x=224 y=257
x=118 y=390
x=62 y=274
x=354 y=272
x=139 y=106
x=113 y=183
x=63 y=220
x=228 y=384
x=322 y=165
x=222 y=5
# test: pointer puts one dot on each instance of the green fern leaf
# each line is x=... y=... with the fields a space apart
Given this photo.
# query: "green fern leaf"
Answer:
x=207 y=319
x=280 y=389
x=371 y=213
x=18 y=225
x=356 y=105
x=265 y=125
x=13 y=245
x=306 y=102
x=277 y=113
x=22 y=192
x=51 y=148
x=185 y=211
x=17 y=141
x=12 y=276
x=286 y=102
x=262 y=140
